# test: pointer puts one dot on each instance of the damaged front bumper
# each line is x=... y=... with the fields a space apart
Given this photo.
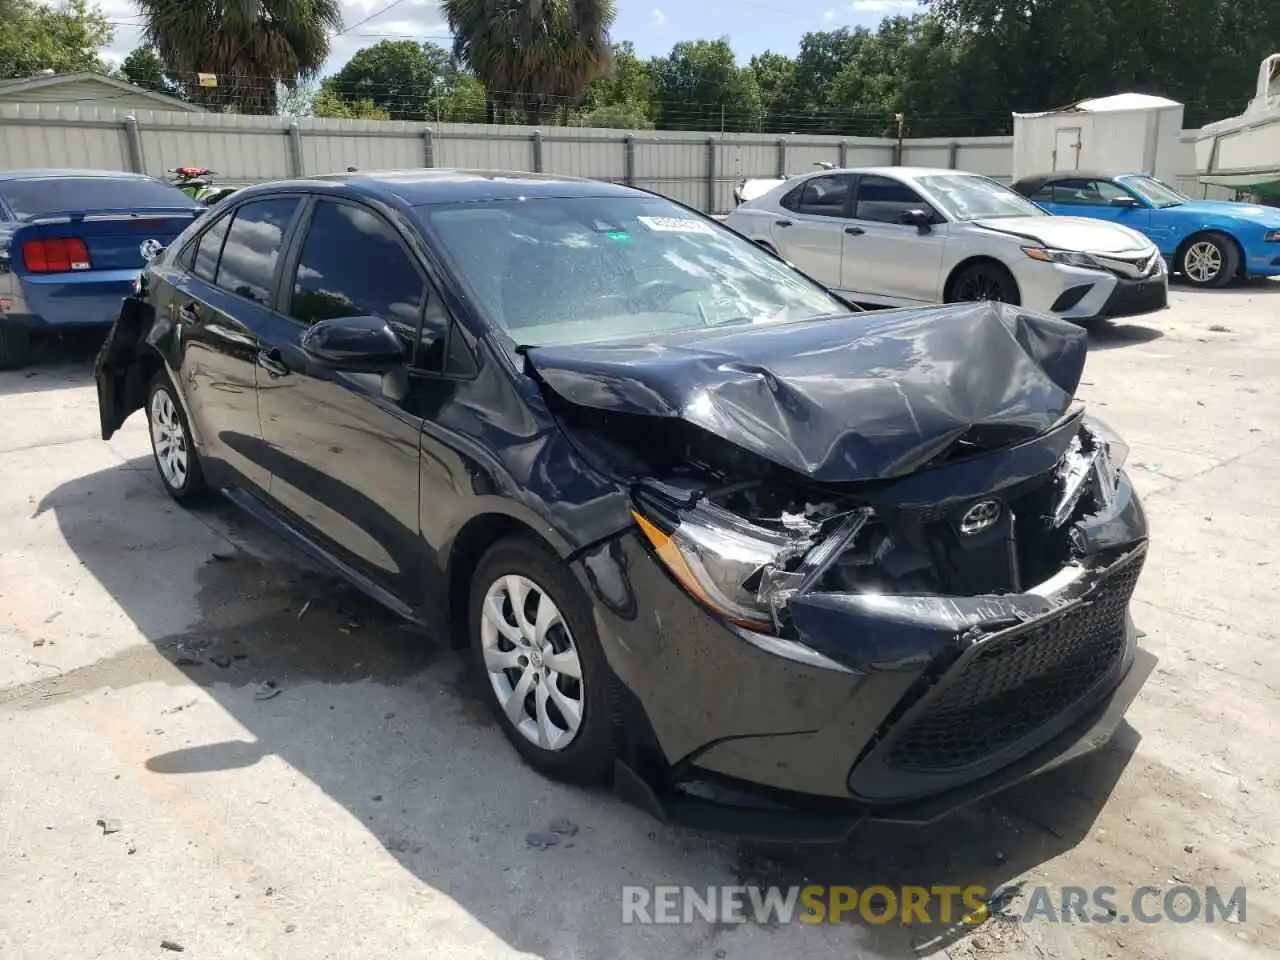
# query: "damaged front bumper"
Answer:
x=880 y=704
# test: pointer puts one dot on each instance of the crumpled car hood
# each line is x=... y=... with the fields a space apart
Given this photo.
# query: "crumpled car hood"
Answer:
x=867 y=396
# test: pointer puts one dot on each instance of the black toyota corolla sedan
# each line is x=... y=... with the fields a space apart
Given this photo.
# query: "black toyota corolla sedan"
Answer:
x=768 y=563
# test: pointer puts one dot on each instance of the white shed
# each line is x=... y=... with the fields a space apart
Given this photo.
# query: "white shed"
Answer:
x=1125 y=133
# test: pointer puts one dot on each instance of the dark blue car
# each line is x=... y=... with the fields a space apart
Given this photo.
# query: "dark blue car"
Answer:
x=72 y=243
x=1209 y=242
x=762 y=560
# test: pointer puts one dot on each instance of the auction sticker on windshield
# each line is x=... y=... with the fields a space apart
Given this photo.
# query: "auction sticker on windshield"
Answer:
x=674 y=225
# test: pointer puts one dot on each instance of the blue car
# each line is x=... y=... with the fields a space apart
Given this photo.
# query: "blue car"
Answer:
x=72 y=243
x=1209 y=242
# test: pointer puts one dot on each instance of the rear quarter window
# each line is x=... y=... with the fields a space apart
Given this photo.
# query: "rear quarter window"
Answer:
x=47 y=196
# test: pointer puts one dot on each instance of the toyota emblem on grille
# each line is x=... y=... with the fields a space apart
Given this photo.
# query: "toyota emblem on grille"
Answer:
x=981 y=516
x=150 y=249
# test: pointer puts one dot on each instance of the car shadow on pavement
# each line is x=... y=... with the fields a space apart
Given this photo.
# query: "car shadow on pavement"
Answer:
x=1110 y=334
x=58 y=361
x=387 y=723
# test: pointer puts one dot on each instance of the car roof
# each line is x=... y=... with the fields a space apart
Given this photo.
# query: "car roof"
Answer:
x=1039 y=178
x=37 y=173
x=424 y=186
x=892 y=172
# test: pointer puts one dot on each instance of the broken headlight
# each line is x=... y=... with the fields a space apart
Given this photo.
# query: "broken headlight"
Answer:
x=719 y=558
x=1105 y=436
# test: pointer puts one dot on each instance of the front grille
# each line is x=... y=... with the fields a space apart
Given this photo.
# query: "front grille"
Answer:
x=1143 y=296
x=1018 y=680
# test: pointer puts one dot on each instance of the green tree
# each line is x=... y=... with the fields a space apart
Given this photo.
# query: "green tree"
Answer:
x=402 y=77
x=66 y=39
x=329 y=105
x=535 y=57
x=700 y=86
x=617 y=116
x=823 y=54
x=144 y=68
x=775 y=76
x=252 y=46
x=625 y=92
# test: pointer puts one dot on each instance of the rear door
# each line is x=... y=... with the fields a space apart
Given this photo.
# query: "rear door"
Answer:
x=810 y=232
x=885 y=258
x=219 y=294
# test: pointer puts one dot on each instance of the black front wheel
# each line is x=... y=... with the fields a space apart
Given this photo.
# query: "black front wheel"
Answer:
x=539 y=661
x=984 y=281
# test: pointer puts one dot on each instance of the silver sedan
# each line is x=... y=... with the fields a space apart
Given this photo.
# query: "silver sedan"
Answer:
x=901 y=236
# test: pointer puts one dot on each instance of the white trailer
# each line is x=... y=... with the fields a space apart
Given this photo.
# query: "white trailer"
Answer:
x=1125 y=133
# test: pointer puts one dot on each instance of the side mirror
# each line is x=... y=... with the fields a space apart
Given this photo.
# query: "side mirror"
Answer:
x=357 y=344
x=1126 y=202
x=922 y=220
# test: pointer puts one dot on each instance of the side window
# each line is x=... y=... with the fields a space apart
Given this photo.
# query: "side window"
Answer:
x=824 y=196
x=1108 y=191
x=353 y=264
x=249 y=256
x=884 y=200
x=208 y=249
x=1044 y=194
x=1090 y=193
x=792 y=200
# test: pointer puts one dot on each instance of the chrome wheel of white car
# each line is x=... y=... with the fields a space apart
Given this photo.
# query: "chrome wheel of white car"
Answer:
x=171 y=443
x=532 y=662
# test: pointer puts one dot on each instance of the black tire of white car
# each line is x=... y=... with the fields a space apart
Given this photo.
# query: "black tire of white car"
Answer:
x=1198 y=256
x=988 y=275
x=588 y=756
x=171 y=443
x=15 y=346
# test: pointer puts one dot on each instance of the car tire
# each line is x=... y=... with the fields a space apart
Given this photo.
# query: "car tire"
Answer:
x=174 y=451
x=1209 y=260
x=984 y=281
x=507 y=660
x=15 y=346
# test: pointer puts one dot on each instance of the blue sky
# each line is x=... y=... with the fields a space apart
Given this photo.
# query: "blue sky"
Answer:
x=752 y=26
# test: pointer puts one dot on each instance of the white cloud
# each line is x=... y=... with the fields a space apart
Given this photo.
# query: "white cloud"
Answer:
x=828 y=15
x=658 y=17
x=883 y=6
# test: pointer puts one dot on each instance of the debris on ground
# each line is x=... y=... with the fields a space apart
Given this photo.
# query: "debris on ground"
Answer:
x=266 y=690
x=563 y=826
x=187 y=662
x=541 y=841
x=220 y=660
x=1219 y=328
x=172 y=946
x=223 y=552
x=109 y=825
x=37 y=643
x=53 y=616
x=305 y=607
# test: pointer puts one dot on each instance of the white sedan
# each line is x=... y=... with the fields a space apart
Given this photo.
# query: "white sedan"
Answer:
x=901 y=236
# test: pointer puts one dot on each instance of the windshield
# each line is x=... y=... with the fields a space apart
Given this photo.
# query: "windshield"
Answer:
x=1155 y=192
x=571 y=270
x=45 y=196
x=970 y=197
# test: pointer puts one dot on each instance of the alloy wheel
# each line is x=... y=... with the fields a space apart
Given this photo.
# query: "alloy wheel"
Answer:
x=532 y=662
x=169 y=440
x=1202 y=262
x=979 y=286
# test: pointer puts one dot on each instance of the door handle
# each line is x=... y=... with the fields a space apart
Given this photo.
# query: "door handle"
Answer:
x=272 y=361
x=188 y=313
x=854 y=231
x=782 y=223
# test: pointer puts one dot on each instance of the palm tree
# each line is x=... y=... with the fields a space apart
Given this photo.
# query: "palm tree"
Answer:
x=534 y=56
x=251 y=45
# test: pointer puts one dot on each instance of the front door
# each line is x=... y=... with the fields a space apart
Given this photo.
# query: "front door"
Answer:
x=342 y=446
x=810 y=233
x=884 y=259
x=219 y=300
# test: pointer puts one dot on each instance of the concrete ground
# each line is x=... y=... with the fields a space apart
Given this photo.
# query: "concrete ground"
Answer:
x=372 y=809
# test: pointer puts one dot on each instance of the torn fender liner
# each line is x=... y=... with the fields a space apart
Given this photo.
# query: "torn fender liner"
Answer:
x=848 y=398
